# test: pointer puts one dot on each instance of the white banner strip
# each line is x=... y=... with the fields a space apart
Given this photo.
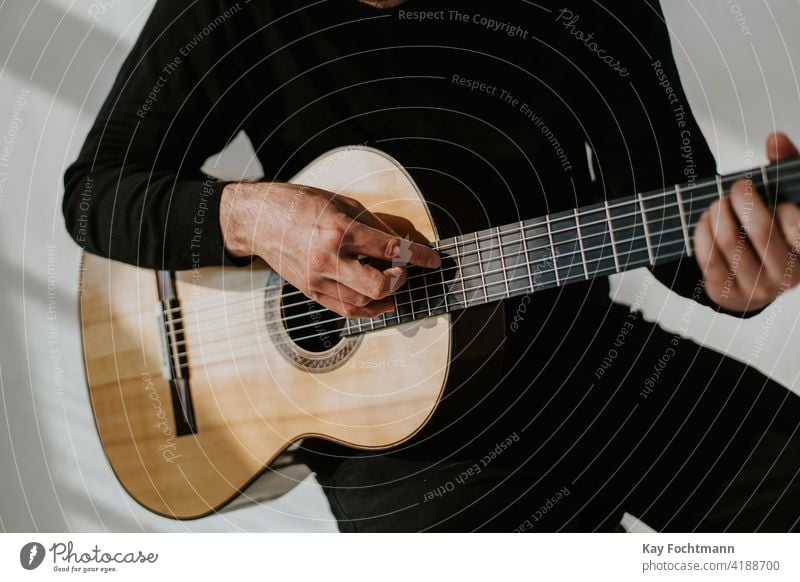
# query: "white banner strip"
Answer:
x=399 y=557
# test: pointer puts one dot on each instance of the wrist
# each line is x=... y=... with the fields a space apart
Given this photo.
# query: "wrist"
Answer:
x=235 y=219
x=245 y=215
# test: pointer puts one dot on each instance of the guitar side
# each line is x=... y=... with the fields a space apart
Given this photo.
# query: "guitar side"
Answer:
x=250 y=400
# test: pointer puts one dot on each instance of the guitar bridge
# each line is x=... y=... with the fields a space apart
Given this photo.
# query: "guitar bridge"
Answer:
x=174 y=359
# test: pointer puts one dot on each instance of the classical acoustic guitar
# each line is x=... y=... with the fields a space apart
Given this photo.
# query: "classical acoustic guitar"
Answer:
x=203 y=382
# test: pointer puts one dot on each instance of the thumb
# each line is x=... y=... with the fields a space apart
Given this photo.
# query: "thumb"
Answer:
x=780 y=147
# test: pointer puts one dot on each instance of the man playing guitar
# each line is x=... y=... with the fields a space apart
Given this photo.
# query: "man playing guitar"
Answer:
x=501 y=112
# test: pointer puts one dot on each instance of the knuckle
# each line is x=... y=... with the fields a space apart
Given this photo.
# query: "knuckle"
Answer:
x=762 y=294
x=726 y=241
x=392 y=248
x=318 y=259
x=376 y=289
x=715 y=294
x=314 y=283
x=370 y=313
x=727 y=237
x=350 y=310
x=334 y=236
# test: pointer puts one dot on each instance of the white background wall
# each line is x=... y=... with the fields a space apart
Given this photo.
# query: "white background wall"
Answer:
x=58 y=63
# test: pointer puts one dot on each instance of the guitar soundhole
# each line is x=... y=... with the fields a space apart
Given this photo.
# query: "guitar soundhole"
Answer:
x=310 y=326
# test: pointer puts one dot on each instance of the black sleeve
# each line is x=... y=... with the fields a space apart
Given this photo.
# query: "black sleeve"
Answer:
x=136 y=193
x=642 y=130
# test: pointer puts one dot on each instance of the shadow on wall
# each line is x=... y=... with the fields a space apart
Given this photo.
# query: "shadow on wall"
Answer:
x=65 y=55
x=37 y=408
x=25 y=480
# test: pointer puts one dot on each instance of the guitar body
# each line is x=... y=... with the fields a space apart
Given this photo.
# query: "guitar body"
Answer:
x=253 y=391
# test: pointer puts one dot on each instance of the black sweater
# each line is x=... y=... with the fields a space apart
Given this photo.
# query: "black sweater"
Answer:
x=490 y=105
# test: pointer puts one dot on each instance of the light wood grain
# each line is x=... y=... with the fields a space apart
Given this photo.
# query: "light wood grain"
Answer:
x=250 y=400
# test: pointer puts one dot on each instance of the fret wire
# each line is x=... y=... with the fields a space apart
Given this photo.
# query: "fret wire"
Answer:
x=444 y=285
x=461 y=273
x=525 y=250
x=611 y=236
x=646 y=231
x=765 y=179
x=552 y=248
x=580 y=243
x=397 y=314
x=480 y=263
x=425 y=287
x=503 y=261
x=682 y=213
x=720 y=191
x=410 y=300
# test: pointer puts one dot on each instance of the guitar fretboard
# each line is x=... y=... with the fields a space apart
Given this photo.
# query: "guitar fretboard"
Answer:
x=592 y=241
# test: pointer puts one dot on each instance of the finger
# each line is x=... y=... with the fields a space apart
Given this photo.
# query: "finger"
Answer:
x=342 y=293
x=346 y=294
x=764 y=235
x=789 y=221
x=372 y=309
x=709 y=259
x=366 y=279
x=788 y=216
x=780 y=147
x=400 y=251
x=732 y=244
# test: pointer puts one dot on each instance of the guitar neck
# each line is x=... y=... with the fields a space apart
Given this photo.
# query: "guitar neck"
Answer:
x=645 y=229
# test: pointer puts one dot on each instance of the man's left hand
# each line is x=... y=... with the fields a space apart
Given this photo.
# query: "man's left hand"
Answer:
x=745 y=249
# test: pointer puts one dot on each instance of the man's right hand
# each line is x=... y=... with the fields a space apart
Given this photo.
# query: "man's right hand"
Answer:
x=314 y=239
